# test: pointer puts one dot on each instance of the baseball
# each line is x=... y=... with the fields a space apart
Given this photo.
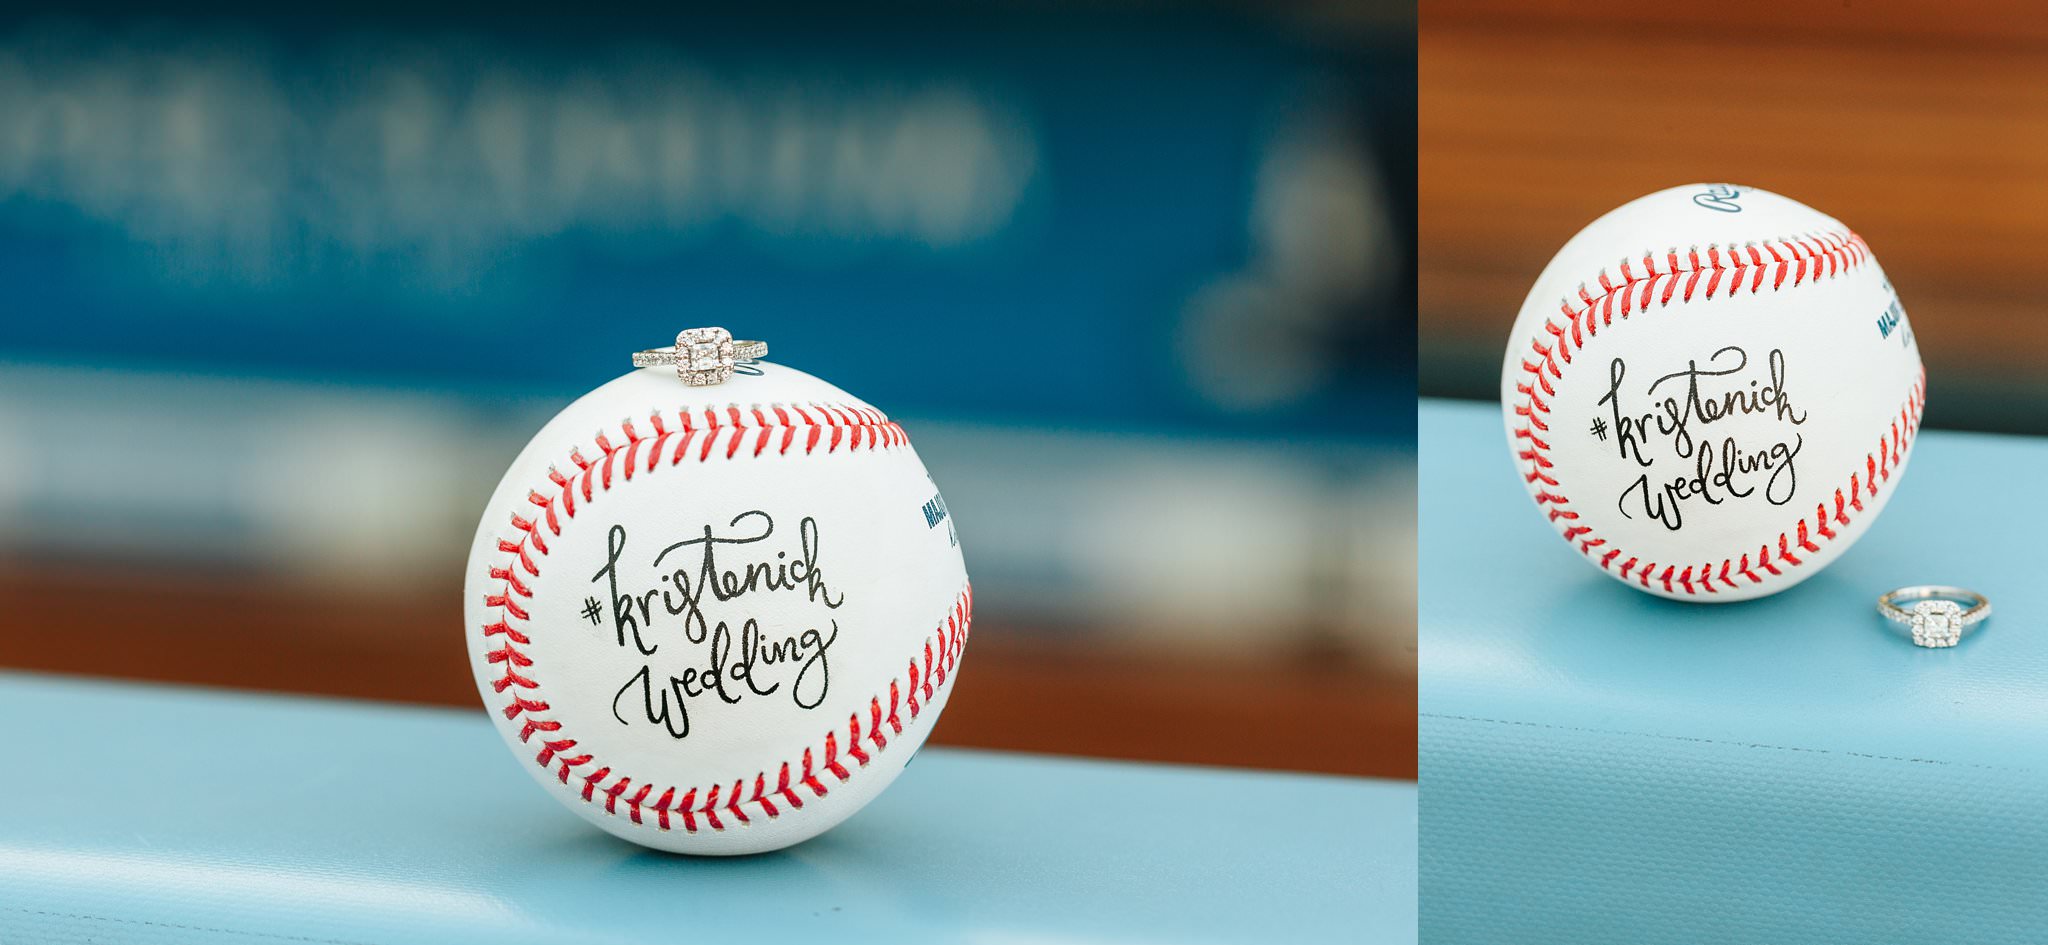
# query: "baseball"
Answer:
x=1711 y=392
x=719 y=619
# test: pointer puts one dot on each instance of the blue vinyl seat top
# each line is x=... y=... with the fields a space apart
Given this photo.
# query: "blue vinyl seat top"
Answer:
x=1602 y=765
x=146 y=814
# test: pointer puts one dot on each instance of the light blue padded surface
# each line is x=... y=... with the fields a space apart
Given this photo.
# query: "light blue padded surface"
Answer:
x=156 y=815
x=1600 y=765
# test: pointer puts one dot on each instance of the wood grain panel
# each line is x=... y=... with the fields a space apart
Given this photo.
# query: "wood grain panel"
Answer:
x=1063 y=693
x=1924 y=128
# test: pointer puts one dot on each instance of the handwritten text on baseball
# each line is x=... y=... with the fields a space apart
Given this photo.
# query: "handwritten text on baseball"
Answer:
x=1689 y=416
x=722 y=661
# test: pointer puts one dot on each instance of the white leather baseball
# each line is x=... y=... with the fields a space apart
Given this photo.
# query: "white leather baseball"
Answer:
x=716 y=619
x=1711 y=392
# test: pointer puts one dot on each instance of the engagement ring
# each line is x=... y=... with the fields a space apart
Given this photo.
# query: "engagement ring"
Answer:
x=703 y=356
x=1937 y=616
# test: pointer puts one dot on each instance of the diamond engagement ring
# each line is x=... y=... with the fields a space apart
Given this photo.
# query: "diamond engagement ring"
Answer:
x=703 y=356
x=1937 y=616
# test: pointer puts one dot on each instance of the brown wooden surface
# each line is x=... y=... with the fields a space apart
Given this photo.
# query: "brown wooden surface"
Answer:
x=1019 y=691
x=1922 y=126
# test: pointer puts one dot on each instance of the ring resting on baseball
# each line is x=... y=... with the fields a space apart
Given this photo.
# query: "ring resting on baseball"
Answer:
x=716 y=619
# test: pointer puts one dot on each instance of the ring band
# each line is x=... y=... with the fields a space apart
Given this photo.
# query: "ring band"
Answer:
x=703 y=356
x=1938 y=616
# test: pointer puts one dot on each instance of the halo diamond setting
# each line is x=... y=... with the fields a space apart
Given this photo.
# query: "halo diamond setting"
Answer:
x=1937 y=622
x=704 y=356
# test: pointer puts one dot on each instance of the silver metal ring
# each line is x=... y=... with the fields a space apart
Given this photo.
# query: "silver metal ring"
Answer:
x=703 y=356
x=1939 y=616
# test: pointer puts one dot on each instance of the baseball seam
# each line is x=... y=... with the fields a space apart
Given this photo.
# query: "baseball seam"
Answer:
x=1729 y=270
x=697 y=435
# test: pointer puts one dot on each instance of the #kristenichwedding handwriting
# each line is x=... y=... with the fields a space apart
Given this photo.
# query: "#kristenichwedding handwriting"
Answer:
x=707 y=658
x=1685 y=415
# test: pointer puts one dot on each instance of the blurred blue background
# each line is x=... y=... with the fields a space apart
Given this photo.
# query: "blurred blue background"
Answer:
x=284 y=294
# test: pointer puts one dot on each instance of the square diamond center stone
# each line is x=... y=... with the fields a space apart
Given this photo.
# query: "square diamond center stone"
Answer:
x=1937 y=622
x=704 y=356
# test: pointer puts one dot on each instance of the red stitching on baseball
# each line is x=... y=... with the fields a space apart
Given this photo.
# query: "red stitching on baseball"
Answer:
x=854 y=428
x=782 y=788
x=1803 y=258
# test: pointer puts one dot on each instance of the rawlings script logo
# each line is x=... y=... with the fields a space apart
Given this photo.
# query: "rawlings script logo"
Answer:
x=1683 y=419
x=1720 y=197
x=716 y=659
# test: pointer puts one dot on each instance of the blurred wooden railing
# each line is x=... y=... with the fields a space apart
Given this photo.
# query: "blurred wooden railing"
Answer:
x=1021 y=691
x=1922 y=126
